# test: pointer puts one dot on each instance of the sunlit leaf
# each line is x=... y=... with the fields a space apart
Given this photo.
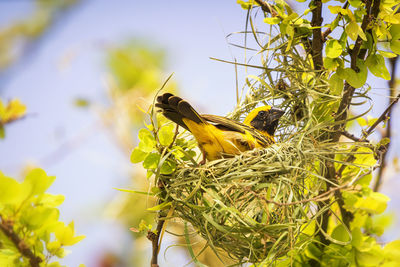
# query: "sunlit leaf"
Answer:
x=333 y=48
x=138 y=155
x=376 y=64
x=166 y=134
x=151 y=161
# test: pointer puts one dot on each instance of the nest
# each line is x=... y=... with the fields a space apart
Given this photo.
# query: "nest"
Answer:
x=257 y=206
x=253 y=205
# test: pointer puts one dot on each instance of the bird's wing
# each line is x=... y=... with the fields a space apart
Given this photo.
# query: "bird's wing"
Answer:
x=176 y=109
x=224 y=123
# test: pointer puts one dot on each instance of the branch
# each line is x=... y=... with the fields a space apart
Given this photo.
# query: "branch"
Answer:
x=6 y=227
x=317 y=43
x=353 y=137
x=388 y=131
x=338 y=17
x=154 y=237
x=342 y=113
x=383 y=116
x=267 y=7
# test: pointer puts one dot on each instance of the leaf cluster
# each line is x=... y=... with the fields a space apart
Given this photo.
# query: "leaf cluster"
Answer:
x=31 y=230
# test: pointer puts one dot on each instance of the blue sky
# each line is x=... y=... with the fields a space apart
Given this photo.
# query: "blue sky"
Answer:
x=70 y=143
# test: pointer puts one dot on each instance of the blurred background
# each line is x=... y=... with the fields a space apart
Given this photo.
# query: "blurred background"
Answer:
x=84 y=69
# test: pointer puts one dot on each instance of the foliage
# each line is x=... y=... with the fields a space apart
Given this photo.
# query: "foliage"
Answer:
x=31 y=233
x=315 y=76
x=136 y=71
x=14 y=110
x=15 y=38
x=161 y=148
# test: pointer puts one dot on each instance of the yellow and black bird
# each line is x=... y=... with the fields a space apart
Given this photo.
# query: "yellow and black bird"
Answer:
x=220 y=137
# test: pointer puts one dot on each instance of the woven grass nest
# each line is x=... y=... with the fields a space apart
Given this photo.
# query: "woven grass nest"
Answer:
x=257 y=206
x=254 y=205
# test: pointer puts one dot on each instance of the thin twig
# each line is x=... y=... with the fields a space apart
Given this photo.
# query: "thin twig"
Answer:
x=338 y=17
x=267 y=8
x=6 y=227
x=382 y=117
x=154 y=237
x=353 y=137
x=388 y=130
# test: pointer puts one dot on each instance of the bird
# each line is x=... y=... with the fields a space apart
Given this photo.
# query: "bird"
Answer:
x=220 y=137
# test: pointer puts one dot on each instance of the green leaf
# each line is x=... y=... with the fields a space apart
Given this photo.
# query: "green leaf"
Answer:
x=331 y=63
x=352 y=30
x=54 y=264
x=349 y=199
x=395 y=31
x=166 y=134
x=38 y=181
x=356 y=79
x=51 y=200
x=335 y=9
x=336 y=84
x=376 y=64
x=392 y=250
x=160 y=206
x=168 y=167
x=14 y=110
x=10 y=190
x=375 y=203
x=2 y=132
x=81 y=102
x=8 y=257
x=272 y=21
x=333 y=48
x=133 y=191
x=369 y=256
x=355 y=3
x=341 y=234
x=392 y=18
x=356 y=237
x=380 y=223
x=395 y=46
x=387 y=54
x=147 y=141
x=313 y=252
x=151 y=161
x=245 y=5
x=39 y=217
x=138 y=155
x=65 y=234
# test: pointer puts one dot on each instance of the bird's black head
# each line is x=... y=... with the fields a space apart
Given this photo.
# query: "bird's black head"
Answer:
x=267 y=119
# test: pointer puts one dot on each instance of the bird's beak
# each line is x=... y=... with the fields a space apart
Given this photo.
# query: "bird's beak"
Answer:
x=276 y=114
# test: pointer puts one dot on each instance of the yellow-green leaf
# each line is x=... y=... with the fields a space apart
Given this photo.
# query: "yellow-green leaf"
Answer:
x=352 y=30
x=333 y=48
x=147 y=141
x=272 y=21
x=138 y=155
x=395 y=46
x=151 y=161
x=166 y=134
x=376 y=65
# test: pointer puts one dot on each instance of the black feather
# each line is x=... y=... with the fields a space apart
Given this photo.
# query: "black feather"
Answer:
x=175 y=109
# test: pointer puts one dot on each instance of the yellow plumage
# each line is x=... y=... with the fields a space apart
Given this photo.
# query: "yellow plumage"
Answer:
x=220 y=137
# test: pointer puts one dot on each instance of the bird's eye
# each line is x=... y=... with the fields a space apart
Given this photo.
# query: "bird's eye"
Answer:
x=262 y=113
